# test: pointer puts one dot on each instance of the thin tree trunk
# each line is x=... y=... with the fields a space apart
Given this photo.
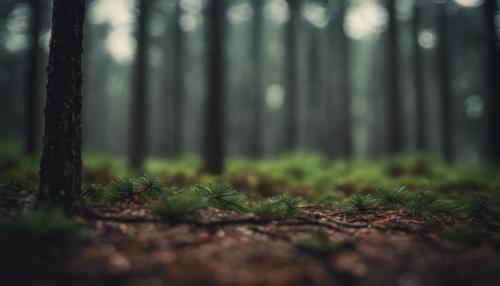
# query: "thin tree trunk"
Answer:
x=256 y=133
x=61 y=164
x=32 y=98
x=345 y=139
x=139 y=134
x=446 y=97
x=214 y=131
x=421 y=136
x=394 y=132
x=178 y=86
x=291 y=77
x=314 y=90
x=493 y=60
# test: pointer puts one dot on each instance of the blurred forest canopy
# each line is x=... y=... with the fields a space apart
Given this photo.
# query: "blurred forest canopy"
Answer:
x=358 y=78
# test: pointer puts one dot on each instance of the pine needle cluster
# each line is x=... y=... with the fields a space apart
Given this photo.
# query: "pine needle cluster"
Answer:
x=280 y=206
x=224 y=197
x=142 y=189
x=359 y=202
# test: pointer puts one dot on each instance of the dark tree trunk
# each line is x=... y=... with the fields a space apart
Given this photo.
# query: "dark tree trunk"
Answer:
x=256 y=59
x=214 y=131
x=290 y=105
x=446 y=97
x=178 y=86
x=314 y=90
x=394 y=125
x=421 y=136
x=345 y=139
x=32 y=99
x=138 y=124
x=493 y=60
x=61 y=164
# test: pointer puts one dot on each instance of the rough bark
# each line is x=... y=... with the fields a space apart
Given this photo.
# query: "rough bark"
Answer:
x=394 y=125
x=178 y=86
x=214 y=131
x=138 y=124
x=446 y=96
x=494 y=72
x=61 y=164
x=420 y=114
x=256 y=59
x=32 y=97
x=290 y=104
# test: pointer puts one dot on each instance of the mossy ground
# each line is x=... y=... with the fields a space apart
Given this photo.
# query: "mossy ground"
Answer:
x=294 y=220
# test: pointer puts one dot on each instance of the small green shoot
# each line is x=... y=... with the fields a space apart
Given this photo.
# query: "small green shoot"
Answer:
x=280 y=206
x=142 y=189
x=118 y=189
x=394 y=197
x=224 y=197
x=148 y=188
x=480 y=208
x=359 y=202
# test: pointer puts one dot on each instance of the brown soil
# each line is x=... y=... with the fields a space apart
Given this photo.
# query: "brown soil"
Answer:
x=385 y=247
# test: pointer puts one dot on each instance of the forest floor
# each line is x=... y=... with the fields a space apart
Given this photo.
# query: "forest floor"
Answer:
x=376 y=247
x=128 y=243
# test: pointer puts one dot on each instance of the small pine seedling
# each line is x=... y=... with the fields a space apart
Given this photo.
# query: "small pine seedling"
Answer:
x=118 y=189
x=280 y=206
x=148 y=188
x=429 y=206
x=91 y=193
x=396 y=197
x=480 y=208
x=224 y=197
x=359 y=202
x=181 y=203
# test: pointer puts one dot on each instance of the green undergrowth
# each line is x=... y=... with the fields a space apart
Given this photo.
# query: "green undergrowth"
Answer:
x=180 y=203
x=275 y=188
x=141 y=190
x=12 y=189
x=34 y=231
x=279 y=207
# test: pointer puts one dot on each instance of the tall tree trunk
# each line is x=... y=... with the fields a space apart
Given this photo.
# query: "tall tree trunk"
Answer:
x=32 y=98
x=214 y=131
x=493 y=60
x=394 y=131
x=256 y=133
x=139 y=134
x=421 y=136
x=291 y=77
x=61 y=164
x=345 y=139
x=314 y=90
x=178 y=86
x=446 y=97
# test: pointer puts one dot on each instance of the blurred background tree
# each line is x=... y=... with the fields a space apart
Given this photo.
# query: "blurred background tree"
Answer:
x=348 y=78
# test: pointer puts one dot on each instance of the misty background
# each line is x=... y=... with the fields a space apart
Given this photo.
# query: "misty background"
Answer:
x=176 y=53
